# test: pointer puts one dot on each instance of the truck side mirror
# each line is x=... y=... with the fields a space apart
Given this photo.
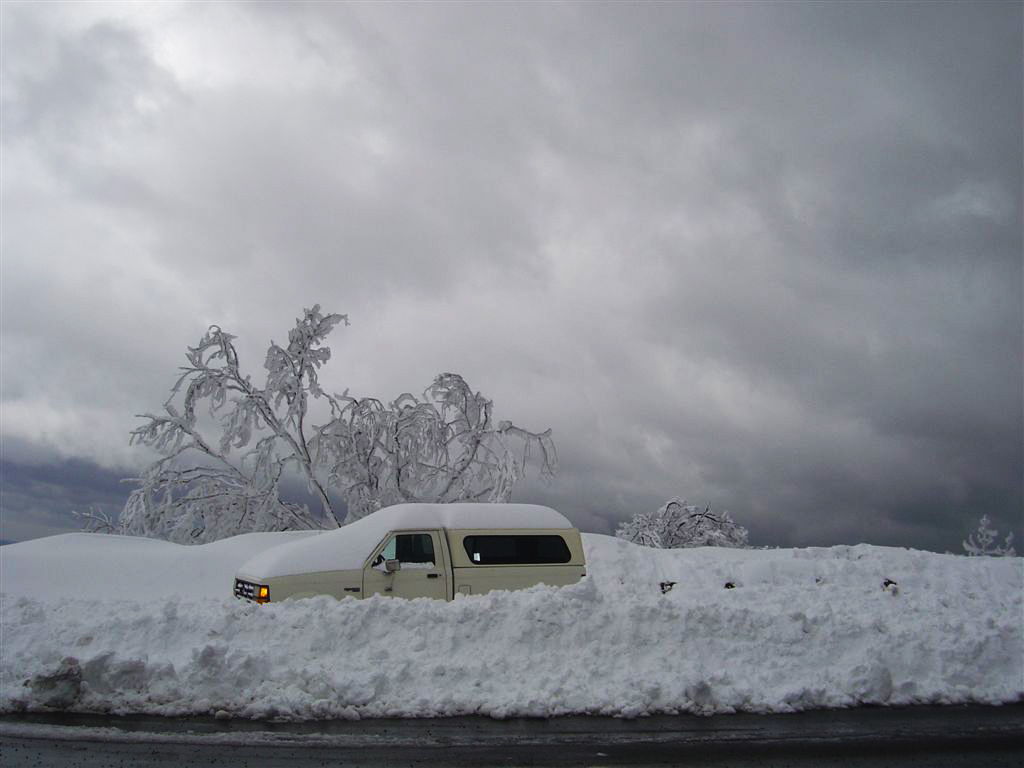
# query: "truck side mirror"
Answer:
x=392 y=566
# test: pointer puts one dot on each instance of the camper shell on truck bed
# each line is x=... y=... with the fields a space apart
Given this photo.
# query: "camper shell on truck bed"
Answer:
x=422 y=550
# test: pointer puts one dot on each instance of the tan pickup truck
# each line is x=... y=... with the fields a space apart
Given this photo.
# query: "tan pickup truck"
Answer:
x=422 y=550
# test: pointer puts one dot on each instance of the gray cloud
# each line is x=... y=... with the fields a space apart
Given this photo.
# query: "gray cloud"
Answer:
x=765 y=256
x=39 y=499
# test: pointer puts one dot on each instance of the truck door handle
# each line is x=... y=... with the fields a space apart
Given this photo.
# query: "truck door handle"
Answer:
x=431 y=575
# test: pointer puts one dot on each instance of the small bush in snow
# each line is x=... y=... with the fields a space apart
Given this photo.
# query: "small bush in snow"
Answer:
x=676 y=525
x=96 y=521
x=983 y=541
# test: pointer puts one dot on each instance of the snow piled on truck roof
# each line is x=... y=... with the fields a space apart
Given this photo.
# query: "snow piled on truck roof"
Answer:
x=143 y=632
x=348 y=547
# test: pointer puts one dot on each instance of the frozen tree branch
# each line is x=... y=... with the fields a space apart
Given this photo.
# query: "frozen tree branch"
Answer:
x=96 y=521
x=440 y=447
x=227 y=493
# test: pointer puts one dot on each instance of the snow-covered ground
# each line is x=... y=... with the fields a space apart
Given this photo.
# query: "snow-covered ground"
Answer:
x=117 y=624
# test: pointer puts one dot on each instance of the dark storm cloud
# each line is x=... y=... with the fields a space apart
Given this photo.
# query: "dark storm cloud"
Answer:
x=38 y=500
x=764 y=256
x=891 y=313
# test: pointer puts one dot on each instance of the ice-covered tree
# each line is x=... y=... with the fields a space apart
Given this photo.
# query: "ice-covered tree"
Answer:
x=442 y=447
x=984 y=541
x=202 y=490
x=676 y=525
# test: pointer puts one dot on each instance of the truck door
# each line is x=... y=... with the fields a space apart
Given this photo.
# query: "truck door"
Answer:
x=422 y=569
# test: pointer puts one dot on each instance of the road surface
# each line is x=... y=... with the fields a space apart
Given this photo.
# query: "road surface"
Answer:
x=858 y=738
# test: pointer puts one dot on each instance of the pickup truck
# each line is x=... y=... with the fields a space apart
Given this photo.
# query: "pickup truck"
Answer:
x=422 y=550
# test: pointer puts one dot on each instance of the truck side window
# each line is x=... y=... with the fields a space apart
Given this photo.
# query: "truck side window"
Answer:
x=516 y=549
x=408 y=548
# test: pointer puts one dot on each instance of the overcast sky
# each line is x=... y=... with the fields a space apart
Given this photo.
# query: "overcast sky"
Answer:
x=764 y=257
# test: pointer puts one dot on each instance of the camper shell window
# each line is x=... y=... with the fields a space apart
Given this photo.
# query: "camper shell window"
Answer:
x=522 y=549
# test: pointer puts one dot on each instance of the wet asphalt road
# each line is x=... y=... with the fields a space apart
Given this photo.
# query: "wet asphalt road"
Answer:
x=916 y=736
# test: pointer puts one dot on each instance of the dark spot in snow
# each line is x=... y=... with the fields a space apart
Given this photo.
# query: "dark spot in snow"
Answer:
x=62 y=688
x=666 y=586
x=730 y=585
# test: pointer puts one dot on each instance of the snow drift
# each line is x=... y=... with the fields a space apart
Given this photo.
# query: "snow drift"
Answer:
x=116 y=624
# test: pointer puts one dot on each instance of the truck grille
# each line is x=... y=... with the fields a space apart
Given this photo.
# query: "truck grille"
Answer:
x=245 y=589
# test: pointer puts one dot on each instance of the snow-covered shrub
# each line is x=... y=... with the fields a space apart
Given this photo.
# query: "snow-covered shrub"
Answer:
x=96 y=520
x=676 y=525
x=983 y=541
x=442 y=447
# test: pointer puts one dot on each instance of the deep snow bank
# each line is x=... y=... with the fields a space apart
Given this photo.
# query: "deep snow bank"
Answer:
x=95 y=565
x=150 y=631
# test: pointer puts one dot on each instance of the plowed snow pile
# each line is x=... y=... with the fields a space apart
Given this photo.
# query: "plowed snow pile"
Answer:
x=106 y=623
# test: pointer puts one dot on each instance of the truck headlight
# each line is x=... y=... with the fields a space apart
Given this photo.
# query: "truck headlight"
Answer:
x=263 y=593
